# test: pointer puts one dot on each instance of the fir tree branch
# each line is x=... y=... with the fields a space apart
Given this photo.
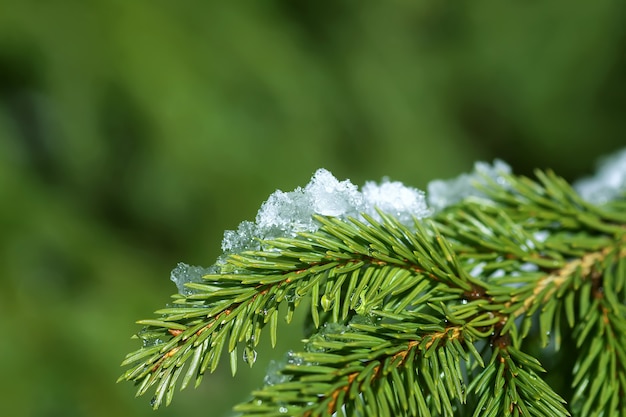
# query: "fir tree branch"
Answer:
x=408 y=316
x=362 y=371
x=397 y=267
x=510 y=386
x=599 y=329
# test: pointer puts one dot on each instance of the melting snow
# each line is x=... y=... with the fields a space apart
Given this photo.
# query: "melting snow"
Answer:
x=608 y=183
x=285 y=214
x=395 y=198
x=184 y=273
x=444 y=193
x=288 y=213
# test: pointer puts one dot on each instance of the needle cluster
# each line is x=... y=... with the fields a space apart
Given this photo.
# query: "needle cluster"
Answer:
x=468 y=312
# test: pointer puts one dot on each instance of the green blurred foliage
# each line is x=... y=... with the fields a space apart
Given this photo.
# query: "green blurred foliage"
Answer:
x=132 y=133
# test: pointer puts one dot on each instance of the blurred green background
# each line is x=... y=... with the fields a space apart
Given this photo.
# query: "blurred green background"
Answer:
x=133 y=133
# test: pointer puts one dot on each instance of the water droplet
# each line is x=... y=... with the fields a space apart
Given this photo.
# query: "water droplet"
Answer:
x=294 y=359
x=149 y=338
x=152 y=342
x=249 y=356
x=153 y=401
x=283 y=410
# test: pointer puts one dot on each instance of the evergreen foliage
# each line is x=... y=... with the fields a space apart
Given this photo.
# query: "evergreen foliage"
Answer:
x=451 y=317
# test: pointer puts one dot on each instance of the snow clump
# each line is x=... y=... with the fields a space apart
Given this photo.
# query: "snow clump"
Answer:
x=444 y=193
x=285 y=214
x=608 y=183
x=184 y=273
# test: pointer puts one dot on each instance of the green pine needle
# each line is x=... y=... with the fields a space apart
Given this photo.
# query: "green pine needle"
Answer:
x=448 y=317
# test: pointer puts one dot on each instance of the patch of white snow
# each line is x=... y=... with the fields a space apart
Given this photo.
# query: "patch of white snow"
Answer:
x=444 y=193
x=608 y=183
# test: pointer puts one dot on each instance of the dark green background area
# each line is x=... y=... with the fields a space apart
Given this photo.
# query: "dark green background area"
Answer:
x=133 y=133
